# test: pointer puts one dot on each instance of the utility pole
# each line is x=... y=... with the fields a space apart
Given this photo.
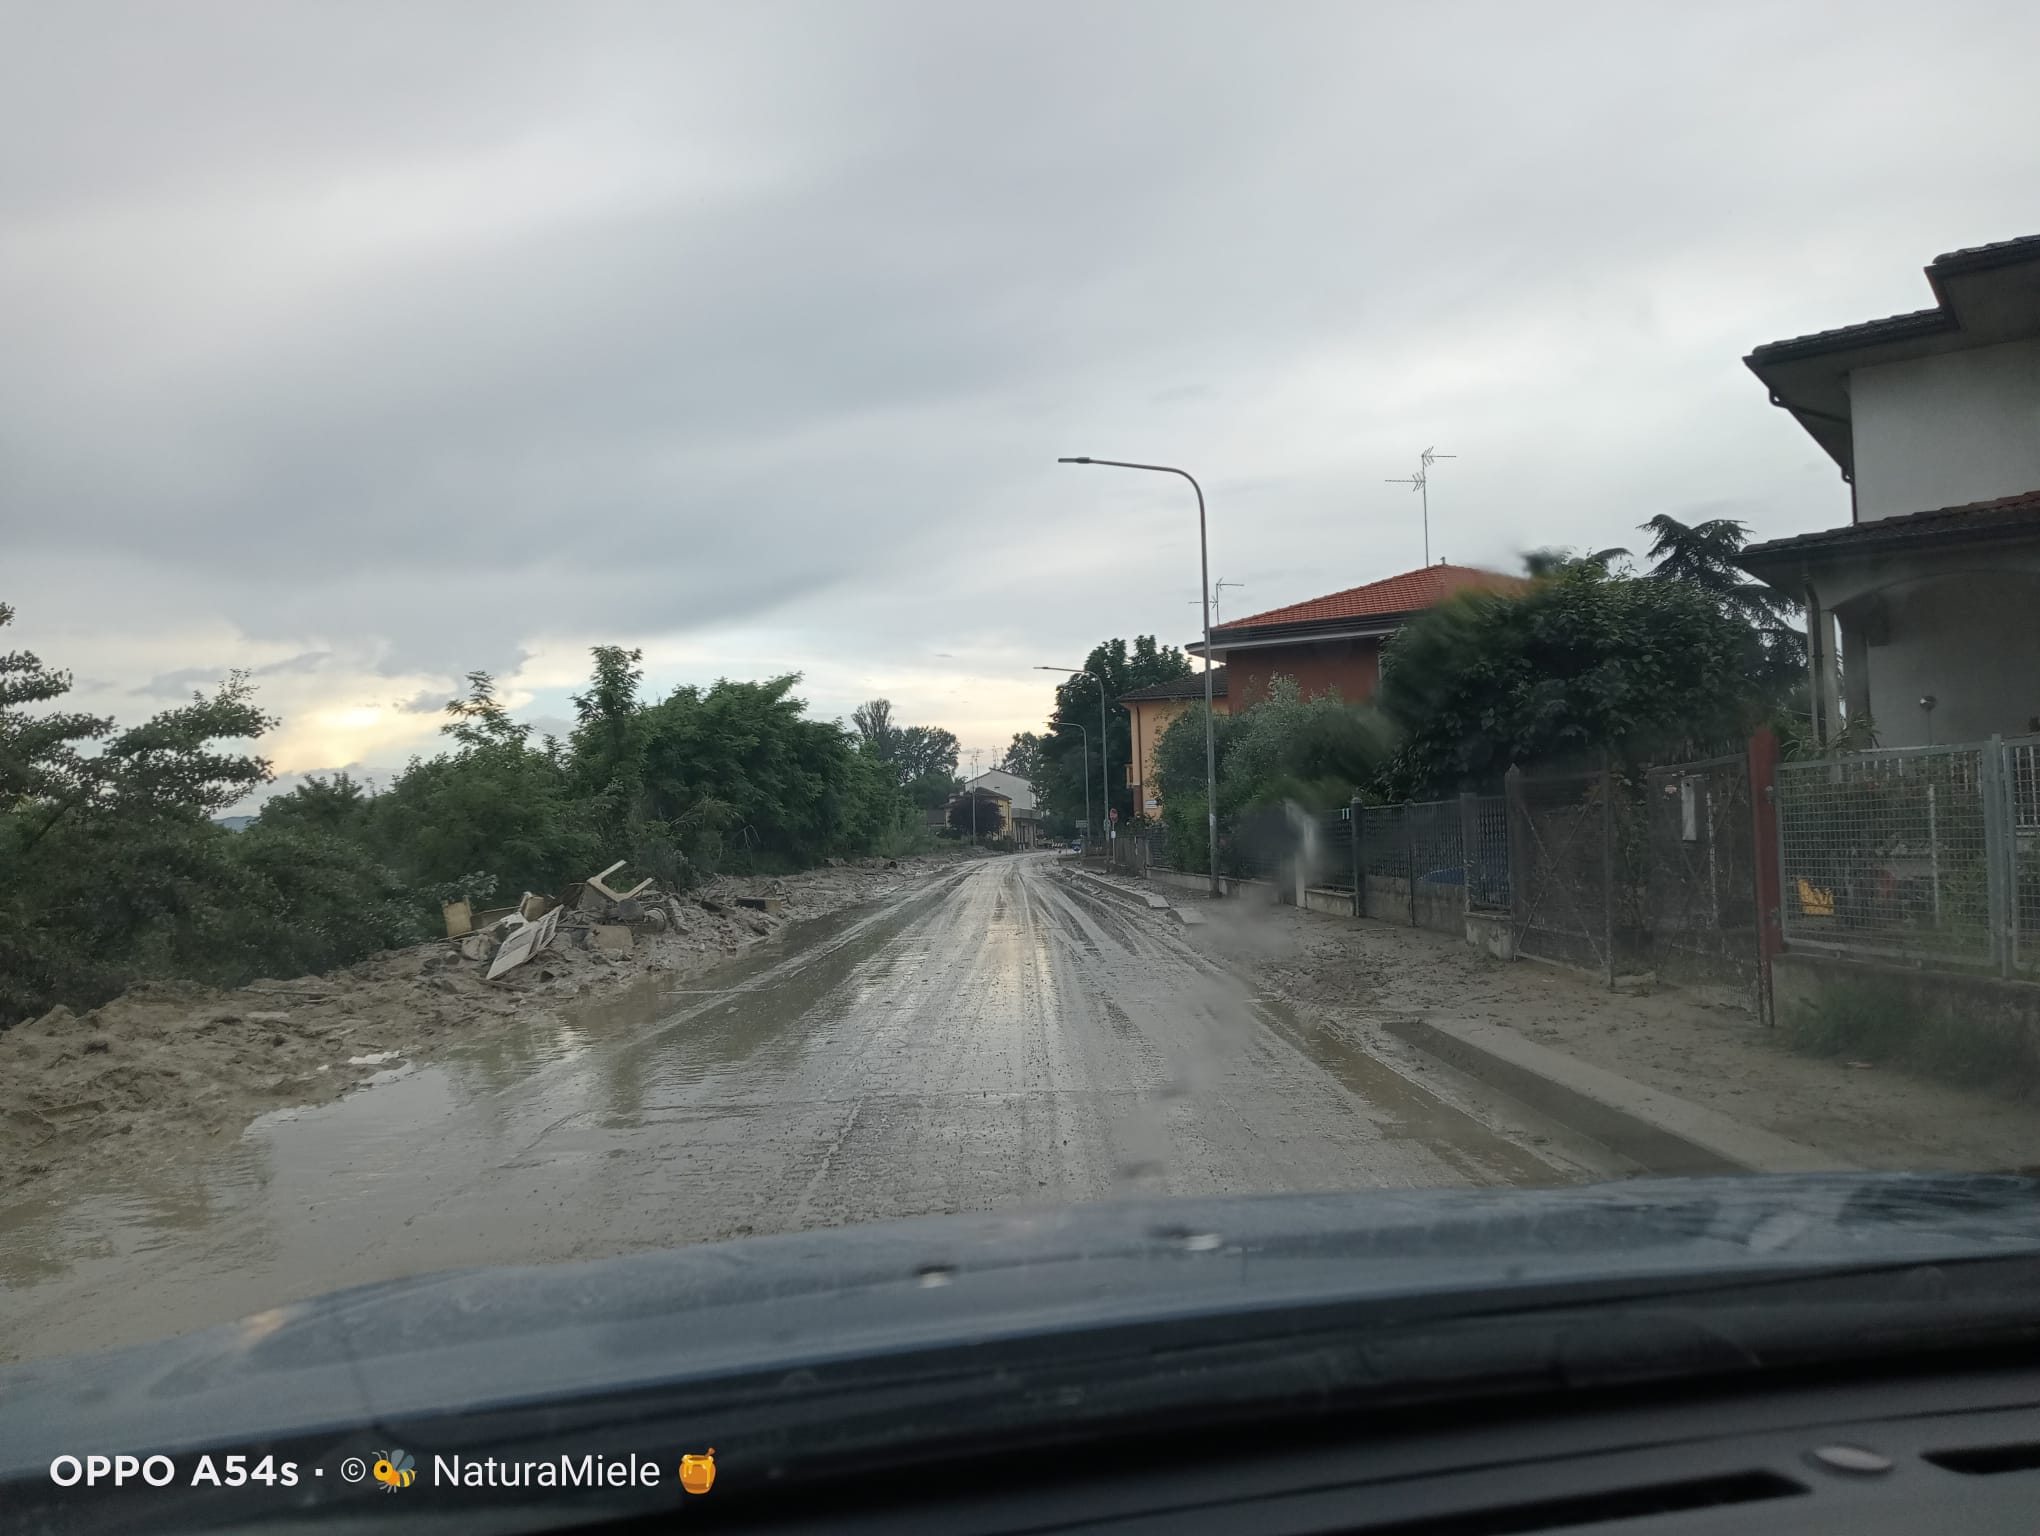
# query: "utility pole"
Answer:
x=1420 y=482
x=971 y=789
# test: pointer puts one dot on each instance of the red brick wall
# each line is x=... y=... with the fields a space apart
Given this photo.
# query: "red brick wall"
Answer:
x=1352 y=668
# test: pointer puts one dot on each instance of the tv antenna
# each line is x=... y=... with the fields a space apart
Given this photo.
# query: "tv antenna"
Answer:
x=1420 y=482
x=1217 y=595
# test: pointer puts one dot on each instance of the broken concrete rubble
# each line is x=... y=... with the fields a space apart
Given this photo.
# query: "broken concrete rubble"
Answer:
x=170 y=1067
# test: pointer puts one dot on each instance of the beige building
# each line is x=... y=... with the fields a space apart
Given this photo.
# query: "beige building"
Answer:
x=1152 y=710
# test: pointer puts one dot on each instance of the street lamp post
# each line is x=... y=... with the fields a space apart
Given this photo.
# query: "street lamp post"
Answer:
x=1085 y=776
x=1204 y=587
x=1104 y=746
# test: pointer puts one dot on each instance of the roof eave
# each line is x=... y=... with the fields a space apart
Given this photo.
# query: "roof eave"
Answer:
x=1791 y=557
x=1358 y=626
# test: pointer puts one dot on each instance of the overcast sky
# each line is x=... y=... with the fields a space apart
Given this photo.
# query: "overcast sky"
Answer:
x=363 y=345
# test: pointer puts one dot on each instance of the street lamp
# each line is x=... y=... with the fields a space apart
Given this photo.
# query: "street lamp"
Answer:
x=1204 y=588
x=1104 y=745
x=1085 y=775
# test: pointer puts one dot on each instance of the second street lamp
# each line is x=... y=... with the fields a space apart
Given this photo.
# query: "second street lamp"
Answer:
x=1085 y=775
x=1104 y=750
x=1204 y=586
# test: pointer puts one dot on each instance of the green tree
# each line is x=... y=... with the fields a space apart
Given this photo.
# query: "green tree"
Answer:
x=924 y=752
x=873 y=723
x=1702 y=556
x=1025 y=756
x=607 y=750
x=336 y=803
x=1583 y=661
x=1065 y=764
x=115 y=871
x=1316 y=753
x=495 y=804
x=977 y=812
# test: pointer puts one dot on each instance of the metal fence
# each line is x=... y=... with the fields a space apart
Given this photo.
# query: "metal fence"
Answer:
x=1917 y=853
x=1334 y=865
x=2022 y=775
x=1925 y=854
x=1563 y=859
x=1484 y=824
x=1702 y=908
x=1428 y=862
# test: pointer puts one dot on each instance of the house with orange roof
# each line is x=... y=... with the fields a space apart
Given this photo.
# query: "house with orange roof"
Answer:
x=1332 y=644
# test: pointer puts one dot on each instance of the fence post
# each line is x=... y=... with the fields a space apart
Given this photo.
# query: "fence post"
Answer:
x=1763 y=777
x=1999 y=857
x=1469 y=846
x=1515 y=821
x=1409 y=843
x=1608 y=866
x=1359 y=889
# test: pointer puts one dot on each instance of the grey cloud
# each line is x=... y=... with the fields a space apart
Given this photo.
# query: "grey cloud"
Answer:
x=831 y=281
x=186 y=679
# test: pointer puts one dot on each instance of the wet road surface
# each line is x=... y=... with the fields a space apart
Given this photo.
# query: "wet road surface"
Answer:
x=1000 y=1038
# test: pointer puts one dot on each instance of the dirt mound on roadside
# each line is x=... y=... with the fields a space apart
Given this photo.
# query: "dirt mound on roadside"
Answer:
x=169 y=1066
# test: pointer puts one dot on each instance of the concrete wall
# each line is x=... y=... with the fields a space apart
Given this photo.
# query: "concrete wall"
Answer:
x=1350 y=668
x=1441 y=908
x=1326 y=899
x=1941 y=431
x=1494 y=932
x=1179 y=880
x=1969 y=638
x=1995 y=1012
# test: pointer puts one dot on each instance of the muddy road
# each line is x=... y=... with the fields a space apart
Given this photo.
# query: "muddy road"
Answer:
x=1002 y=1037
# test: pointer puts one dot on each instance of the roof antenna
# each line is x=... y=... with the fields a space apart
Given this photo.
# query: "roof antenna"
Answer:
x=1420 y=482
x=1217 y=595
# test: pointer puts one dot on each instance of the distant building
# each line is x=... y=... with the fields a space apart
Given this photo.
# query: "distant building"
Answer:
x=1022 y=810
x=1152 y=710
x=1934 y=420
x=1332 y=644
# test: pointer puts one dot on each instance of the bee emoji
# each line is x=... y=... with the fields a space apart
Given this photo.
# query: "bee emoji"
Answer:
x=394 y=1470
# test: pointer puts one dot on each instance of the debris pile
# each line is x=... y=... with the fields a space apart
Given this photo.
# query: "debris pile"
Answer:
x=176 y=1064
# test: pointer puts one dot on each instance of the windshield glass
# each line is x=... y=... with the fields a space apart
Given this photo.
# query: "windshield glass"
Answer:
x=632 y=628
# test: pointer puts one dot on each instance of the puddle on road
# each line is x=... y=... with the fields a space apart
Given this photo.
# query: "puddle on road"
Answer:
x=305 y=1191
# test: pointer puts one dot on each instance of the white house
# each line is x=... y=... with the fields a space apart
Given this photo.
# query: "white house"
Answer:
x=1023 y=809
x=1934 y=418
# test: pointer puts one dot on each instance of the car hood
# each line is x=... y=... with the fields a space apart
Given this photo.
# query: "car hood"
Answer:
x=472 y=1339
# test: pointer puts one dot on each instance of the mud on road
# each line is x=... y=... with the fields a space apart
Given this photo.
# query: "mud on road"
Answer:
x=171 y=1069
x=987 y=1038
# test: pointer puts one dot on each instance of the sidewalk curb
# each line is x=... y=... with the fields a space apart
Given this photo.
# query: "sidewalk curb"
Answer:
x=1661 y=1132
x=1146 y=901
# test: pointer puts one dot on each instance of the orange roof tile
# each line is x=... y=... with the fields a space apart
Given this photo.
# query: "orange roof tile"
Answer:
x=1407 y=593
